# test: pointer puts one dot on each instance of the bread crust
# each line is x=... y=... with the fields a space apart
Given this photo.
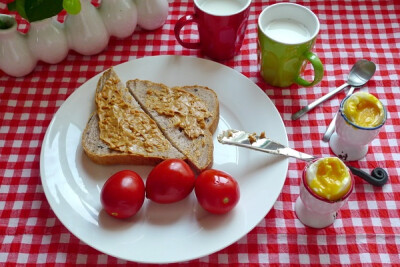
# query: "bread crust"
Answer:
x=100 y=153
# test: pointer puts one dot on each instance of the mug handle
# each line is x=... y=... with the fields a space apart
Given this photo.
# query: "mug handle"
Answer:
x=318 y=70
x=178 y=27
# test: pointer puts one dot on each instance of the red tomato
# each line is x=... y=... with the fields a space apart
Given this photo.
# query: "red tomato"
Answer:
x=123 y=194
x=170 y=181
x=217 y=191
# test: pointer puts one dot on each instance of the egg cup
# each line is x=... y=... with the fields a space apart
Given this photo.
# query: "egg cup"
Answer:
x=350 y=141
x=315 y=211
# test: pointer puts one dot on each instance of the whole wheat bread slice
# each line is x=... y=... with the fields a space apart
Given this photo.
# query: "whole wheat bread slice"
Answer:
x=199 y=151
x=210 y=98
x=99 y=152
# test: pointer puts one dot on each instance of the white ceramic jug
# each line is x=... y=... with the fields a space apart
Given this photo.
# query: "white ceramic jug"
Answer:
x=86 y=32
x=119 y=17
x=47 y=40
x=152 y=14
x=15 y=57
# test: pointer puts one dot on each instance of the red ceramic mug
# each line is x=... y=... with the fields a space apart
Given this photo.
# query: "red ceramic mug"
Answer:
x=221 y=25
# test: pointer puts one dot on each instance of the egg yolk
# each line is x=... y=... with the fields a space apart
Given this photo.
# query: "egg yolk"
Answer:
x=364 y=109
x=331 y=178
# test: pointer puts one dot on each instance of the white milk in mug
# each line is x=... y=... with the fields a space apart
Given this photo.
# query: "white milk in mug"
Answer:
x=287 y=31
x=221 y=7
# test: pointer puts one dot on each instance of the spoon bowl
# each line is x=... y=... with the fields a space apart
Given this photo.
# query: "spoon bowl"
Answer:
x=360 y=74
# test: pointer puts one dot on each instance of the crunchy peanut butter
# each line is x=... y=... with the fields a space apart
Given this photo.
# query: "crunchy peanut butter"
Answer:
x=252 y=138
x=185 y=110
x=124 y=128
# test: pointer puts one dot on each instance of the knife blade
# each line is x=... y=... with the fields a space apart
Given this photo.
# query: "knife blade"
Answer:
x=378 y=177
x=260 y=143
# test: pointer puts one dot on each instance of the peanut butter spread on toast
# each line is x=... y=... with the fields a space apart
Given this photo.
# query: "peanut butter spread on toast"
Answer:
x=185 y=110
x=123 y=127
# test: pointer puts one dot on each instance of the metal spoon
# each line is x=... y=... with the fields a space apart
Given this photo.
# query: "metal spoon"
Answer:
x=359 y=75
x=331 y=128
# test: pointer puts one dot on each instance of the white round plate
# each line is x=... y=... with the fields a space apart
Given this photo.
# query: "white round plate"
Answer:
x=170 y=232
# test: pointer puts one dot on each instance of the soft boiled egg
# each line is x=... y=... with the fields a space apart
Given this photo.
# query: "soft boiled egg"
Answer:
x=329 y=178
x=364 y=109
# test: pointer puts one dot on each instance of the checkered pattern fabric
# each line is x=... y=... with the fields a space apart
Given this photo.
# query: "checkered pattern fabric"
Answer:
x=367 y=231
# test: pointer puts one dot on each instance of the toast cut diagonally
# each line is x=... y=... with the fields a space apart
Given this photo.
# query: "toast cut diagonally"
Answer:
x=198 y=148
x=210 y=98
x=100 y=151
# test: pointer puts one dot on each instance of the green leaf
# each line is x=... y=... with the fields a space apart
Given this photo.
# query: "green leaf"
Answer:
x=20 y=6
x=12 y=6
x=34 y=10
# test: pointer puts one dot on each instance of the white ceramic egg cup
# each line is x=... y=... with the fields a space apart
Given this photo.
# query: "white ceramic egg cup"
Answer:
x=315 y=211
x=350 y=141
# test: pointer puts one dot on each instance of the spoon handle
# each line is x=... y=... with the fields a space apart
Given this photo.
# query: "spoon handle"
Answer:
x=331 y=128
x=309 y=107
x=378 y=176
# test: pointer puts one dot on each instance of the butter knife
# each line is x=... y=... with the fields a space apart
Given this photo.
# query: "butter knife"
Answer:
x=378 y=176
x=260 y=143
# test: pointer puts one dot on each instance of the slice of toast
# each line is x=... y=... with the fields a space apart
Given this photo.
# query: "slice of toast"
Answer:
x=198 y=150
x=100 y=152
x=210 y=98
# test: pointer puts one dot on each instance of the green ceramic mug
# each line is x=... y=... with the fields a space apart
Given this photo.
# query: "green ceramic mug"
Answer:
x=286 y=36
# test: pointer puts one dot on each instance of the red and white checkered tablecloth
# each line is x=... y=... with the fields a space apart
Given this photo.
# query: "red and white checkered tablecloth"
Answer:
x=367 y=231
